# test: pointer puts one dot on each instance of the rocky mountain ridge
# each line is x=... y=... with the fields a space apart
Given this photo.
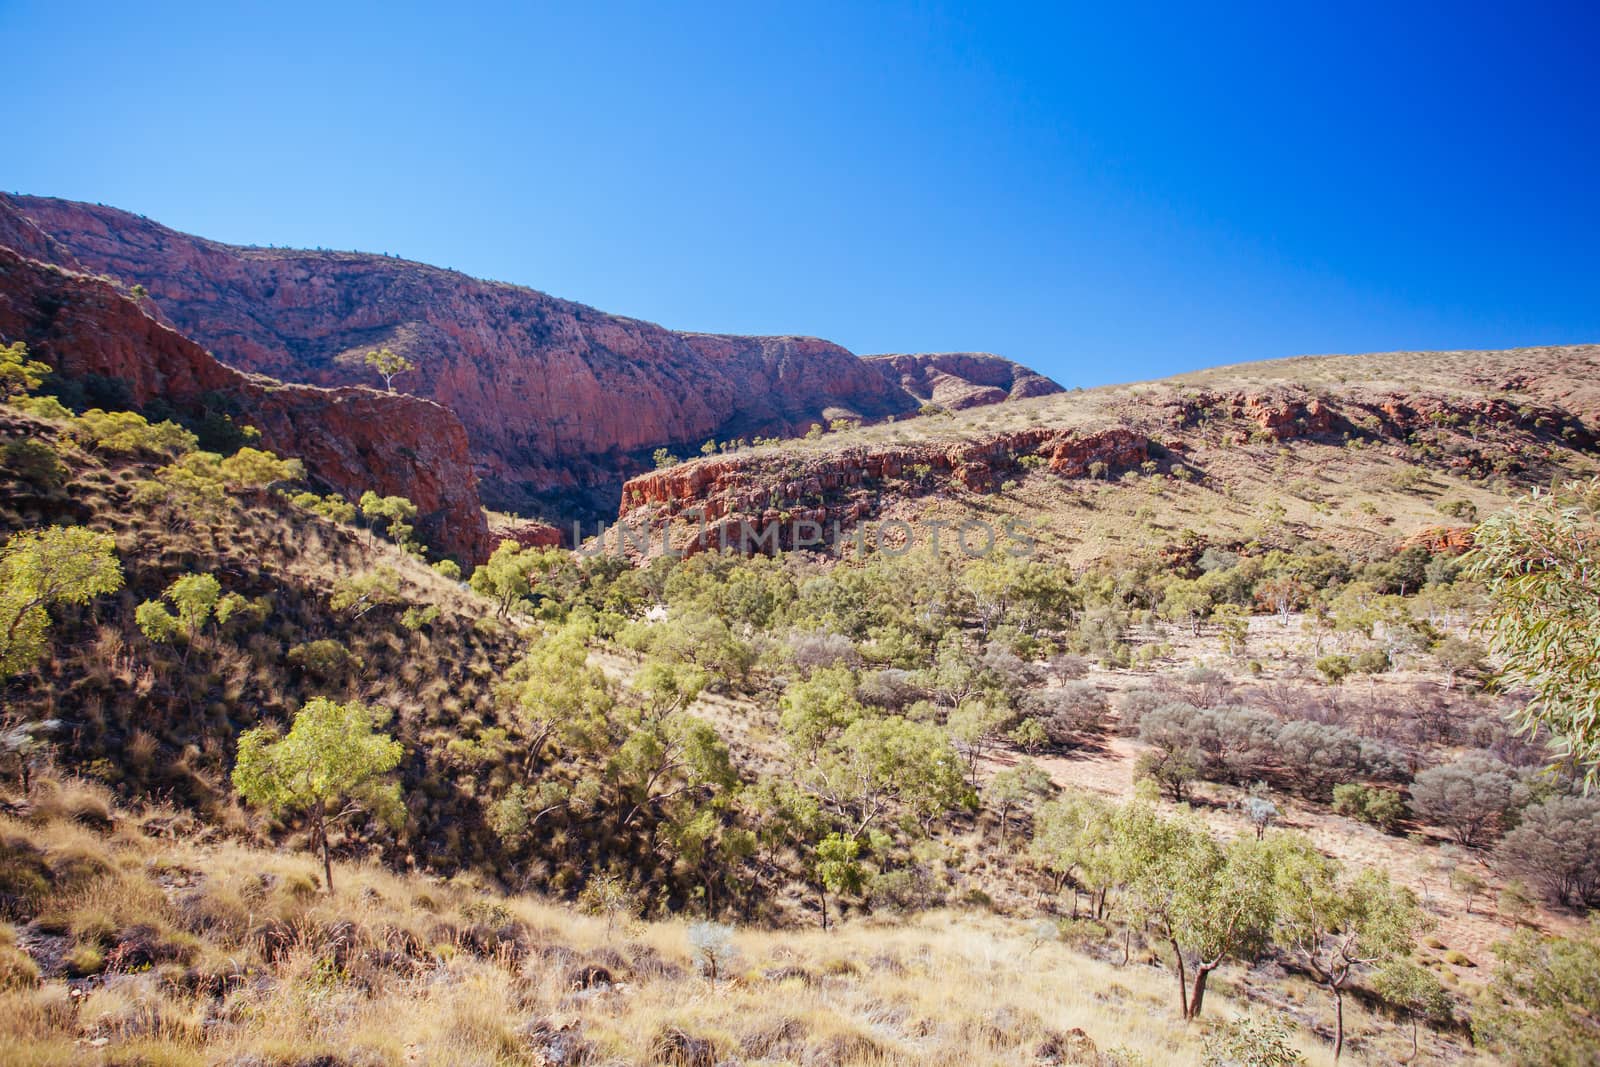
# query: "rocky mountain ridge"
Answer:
x=560 y=401
x=351 y=439
x=1177 y=435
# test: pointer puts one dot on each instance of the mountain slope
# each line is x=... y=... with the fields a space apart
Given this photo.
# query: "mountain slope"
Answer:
x=560 y=401
x=1322 y=447
x=351 y=439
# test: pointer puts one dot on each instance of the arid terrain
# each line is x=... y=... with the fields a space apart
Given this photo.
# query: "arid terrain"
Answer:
x=308 y=758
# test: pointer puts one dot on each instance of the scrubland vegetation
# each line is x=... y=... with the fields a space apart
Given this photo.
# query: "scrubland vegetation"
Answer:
x=281 y=788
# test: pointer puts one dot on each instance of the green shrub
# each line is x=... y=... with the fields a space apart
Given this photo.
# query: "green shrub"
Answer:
x=35 y=463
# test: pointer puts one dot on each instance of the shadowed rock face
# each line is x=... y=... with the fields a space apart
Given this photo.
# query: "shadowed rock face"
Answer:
x=350 y=439
x=959 y=380
x=560 y=402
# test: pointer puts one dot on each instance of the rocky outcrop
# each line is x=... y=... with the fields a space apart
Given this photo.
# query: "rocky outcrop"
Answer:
x=351 y=439
x=959 y=380
x=530 y=534
x=1279 y=414
x=712 y=500
x=1441 y=540
x=557 y=399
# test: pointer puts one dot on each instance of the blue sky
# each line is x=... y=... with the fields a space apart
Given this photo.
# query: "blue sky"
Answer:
x=1104 y=196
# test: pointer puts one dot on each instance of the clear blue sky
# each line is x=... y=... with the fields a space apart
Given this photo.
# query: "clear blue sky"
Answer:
x=1103 y=196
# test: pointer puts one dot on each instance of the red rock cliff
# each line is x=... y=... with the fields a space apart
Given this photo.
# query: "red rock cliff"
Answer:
x=555 y=396
x=959 y=380
x=769 y=488
x=350 y=439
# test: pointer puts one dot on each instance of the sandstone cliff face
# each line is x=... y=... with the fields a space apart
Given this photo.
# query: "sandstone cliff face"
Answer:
x=712 y=499
x=960 y=380
x=560 y=401
x=350 y=439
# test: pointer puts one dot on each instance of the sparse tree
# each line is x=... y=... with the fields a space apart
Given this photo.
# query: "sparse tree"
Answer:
x=837 y=868
x=332 y=764
x=19 y=375
x=1337 y=926
x=608 y=895
x=1208 y=903
x=554 y=688
x=40 y=569
x=1416 y=991
x=388 y=365
x=1469 y=884
x=1543 y=1009
x=198 y=600
x=1557 y=847
x=507 y=577
x=1015 y=787
x=1540 y=561
x=1073 y=839
x=713 y=947
x=396 y=512
x=1469 y=797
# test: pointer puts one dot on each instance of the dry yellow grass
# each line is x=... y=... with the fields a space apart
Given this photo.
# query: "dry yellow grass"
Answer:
x=260 y=966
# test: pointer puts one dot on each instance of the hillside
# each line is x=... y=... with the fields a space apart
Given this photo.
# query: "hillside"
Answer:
x=1239 y=685
x=560 y=401
x=109 y=350
x=235 y=960
x=1358 y=451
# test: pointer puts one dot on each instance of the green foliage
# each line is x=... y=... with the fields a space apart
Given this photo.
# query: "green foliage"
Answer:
x=1382 y=808
x=1074 y=838
x=1370 y=661
x=609 y=896
x=191 y=488
x=552 y=689
x=1543 y=1009
x=1020 y=785
x=1414 y=990
x=818 y=709
x=664 y=459
x=1250 y=1041
x=1335 y=668
x=20 y=375
x=388 y=365
x=324 y=659
x=507 y=577
x=42 y=407
x=332 y=755
x=415 y=618
x=1209 y=903
x=661 y=760
x=449 y=568
x=395 y=512
x=333 y=508
x=837 y=868
x=1337 y=926
x=40 y=569
x=1540 y=563
x=129 y=432
x=360 y=594
x=876 y=765
x=197 y=600
x=34 y=462
x=252 y=468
